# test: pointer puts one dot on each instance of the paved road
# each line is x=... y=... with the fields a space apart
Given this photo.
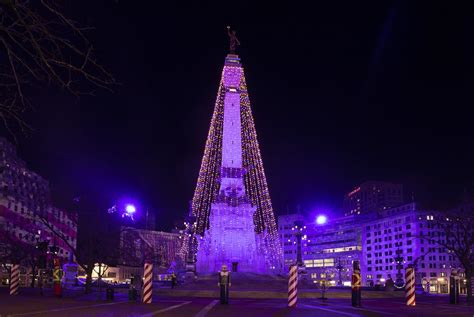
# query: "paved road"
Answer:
x=34 y=305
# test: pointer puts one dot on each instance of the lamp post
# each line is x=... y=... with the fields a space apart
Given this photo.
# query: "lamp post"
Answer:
x=189 y=234
x=339 y=268
x=399 y=283
x=125 y=211
x=42 y=247
x=298 y=232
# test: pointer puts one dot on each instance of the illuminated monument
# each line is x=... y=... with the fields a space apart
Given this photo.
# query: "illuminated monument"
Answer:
x=235 y=224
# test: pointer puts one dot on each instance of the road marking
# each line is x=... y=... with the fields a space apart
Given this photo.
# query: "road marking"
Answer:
x=365 y=309
x=327 y=309
x=63 y=309
x=165 y=309
x=206 y=309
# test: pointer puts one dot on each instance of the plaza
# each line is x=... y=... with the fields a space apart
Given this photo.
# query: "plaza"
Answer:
x=242 y=303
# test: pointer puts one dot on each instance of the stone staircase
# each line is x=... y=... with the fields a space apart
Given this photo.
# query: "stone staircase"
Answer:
x=241 y=281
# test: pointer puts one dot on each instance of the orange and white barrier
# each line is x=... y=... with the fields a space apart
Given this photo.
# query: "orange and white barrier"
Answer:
x=293 y=286
x=410 y=286
x=15 y=279
x=147 y=283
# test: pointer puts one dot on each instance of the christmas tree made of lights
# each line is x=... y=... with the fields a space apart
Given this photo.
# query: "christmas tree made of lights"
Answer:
x=234 y=219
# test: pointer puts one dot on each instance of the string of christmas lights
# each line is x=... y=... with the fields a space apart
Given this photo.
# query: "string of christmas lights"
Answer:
x=208 y=183
x=256 y=188
x=256 y=183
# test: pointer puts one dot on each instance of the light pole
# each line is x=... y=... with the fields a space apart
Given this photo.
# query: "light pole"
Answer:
x=298 y=232
x=339 y=268
x=126 y=211
x=42 y=247
x=189 y=232
x=399 y=283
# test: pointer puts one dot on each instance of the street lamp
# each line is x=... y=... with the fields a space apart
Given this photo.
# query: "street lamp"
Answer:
x=339 y=268
x=321 y=219
x=126 y=211
x=298 y=229
x=399 y=283
x=130 y=209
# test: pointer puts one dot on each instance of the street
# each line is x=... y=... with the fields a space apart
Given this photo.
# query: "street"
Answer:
x=29 y=304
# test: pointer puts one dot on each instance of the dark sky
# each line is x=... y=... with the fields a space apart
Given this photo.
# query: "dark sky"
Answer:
x=342 y=92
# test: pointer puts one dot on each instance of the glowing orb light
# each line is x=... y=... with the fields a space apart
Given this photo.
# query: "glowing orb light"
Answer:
x=321 y=219
x=130 y=209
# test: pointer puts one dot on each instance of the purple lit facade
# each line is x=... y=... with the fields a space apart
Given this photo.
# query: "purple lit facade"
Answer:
x=376 y=239
x=24 y=202
x=231 y=202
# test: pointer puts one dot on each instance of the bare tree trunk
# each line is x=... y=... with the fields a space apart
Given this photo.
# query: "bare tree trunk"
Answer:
x=33 y=275
x=99 y=281
x=89 y=278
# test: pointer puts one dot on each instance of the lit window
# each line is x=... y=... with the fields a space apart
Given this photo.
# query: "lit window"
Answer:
x=328 y=262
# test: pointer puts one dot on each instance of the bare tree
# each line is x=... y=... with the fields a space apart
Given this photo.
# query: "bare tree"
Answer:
x=136 y=249
x=15 y=250
x=41 y=46
x=456 y=234
x=12 y=249
x=98 y=242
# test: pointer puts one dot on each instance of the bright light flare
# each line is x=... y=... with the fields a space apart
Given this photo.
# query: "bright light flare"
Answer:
x=130 y=209
x=321 y=219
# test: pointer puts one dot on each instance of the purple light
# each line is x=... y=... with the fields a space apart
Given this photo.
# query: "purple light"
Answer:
x=130 y=209
x=321 y=219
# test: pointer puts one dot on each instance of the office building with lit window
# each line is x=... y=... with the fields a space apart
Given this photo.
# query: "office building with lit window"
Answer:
x=399 y=237
x=26 y=213
x=328 y=246
x=372 y=196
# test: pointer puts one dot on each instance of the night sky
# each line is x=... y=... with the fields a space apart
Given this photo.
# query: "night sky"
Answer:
x=342 y=92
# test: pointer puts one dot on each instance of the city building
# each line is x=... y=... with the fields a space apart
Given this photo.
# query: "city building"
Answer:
x=372 y=196
x=328 y=247
x=400 y=237
x=385 y=243
x=161 y=248
x=27 y=216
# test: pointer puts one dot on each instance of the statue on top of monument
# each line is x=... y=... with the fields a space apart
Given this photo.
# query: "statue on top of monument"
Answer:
x=233 y=41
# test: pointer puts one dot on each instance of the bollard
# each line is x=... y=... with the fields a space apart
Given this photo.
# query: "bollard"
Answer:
x=356 y=283
x=15 y=279
x=147 y=283
x=109 y=293
x=293 y=286
x=132 y=294
x=410 y=286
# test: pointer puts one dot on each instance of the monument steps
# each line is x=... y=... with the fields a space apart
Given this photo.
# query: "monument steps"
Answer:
x=241 y=281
